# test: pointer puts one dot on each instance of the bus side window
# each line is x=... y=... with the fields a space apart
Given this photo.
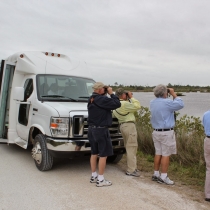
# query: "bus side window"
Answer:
x=24 y=108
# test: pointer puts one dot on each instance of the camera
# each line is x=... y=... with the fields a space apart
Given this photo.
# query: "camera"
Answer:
x=105 y=90
x=168 y=92
x=126 y=93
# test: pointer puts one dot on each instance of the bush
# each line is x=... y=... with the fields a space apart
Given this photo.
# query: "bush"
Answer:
x=144 y=131
x=189 y=137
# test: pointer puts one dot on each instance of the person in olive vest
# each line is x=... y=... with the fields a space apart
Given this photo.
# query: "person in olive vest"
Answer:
x=126 y=118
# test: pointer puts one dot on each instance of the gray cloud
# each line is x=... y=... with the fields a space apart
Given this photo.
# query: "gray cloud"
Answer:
x=128 y=41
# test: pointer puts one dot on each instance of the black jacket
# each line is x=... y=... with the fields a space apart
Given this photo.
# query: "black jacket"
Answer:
x=99 y=109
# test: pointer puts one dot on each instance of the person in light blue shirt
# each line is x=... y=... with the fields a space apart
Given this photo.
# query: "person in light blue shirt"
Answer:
x=206 y=124
x=162 y=118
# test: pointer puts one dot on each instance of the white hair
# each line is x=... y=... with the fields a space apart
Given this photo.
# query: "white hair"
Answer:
x=160 y=90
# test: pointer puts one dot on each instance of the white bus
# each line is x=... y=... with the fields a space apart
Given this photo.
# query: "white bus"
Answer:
x=43 y=105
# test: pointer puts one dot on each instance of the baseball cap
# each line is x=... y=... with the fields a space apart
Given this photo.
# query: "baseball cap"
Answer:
x=120 y=91
x=98 y=85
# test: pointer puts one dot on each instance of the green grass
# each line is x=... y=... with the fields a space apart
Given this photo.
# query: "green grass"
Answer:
x=192 y=176
x=188 y=166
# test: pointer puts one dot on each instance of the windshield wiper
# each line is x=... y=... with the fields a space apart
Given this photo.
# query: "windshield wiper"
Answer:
x=59 y=96
x=84 y=97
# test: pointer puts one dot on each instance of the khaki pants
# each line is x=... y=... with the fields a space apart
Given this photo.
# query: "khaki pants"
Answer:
x=129 y=134
x=207 y=159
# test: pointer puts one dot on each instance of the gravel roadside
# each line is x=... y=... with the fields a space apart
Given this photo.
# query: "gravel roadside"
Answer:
x=67 y=186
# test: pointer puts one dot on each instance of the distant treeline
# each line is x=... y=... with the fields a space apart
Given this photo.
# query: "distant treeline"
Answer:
x=177 y=88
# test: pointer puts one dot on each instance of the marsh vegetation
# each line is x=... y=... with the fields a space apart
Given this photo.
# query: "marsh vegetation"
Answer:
x=188 y=166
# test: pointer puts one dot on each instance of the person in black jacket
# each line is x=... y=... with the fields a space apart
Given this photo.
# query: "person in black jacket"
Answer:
x=99 y=119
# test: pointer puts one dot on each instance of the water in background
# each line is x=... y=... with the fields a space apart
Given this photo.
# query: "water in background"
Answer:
x=195 y=104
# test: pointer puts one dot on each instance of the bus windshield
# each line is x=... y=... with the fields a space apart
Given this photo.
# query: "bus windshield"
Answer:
x=63 y=88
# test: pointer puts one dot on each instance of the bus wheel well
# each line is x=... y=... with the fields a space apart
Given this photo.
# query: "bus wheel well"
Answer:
x=32 y=134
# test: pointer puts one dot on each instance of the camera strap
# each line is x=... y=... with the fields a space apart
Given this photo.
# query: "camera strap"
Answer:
x=92 y=102
x=121 y=114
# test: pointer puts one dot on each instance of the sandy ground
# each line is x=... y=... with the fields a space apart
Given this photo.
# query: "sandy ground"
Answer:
x=67 y=186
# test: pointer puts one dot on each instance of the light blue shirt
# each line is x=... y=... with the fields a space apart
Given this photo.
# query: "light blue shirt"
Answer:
x=162 y=112
x=206 y=122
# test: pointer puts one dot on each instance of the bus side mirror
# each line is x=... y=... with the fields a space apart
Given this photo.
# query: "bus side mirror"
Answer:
x=18 y=94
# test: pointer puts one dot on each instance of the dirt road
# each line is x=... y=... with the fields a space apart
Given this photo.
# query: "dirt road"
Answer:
x=67 y=187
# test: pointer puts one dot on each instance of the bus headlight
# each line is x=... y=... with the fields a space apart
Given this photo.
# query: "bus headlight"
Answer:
x=59 y=126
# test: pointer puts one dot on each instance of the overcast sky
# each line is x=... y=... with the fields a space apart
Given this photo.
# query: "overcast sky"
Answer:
x=131 y=42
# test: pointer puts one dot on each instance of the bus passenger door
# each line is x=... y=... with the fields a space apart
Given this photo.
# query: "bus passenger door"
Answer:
x=6 y=77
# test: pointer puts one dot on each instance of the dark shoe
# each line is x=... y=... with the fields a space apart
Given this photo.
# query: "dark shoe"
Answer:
x=207 y=199
x=135 y=173
x=155 y=178
x=93 y=179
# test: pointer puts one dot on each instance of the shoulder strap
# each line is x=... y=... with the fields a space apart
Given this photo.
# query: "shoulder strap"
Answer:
x=92 y=102
x=121 y=114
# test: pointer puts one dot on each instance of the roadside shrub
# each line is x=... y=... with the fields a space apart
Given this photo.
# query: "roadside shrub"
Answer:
x=144 y=131
x=189 y=137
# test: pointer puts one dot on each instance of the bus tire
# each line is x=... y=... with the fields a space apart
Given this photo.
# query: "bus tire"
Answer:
x=42 y=158
x=114 y=158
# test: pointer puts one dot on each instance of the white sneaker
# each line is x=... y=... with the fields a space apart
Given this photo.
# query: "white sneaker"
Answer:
x=103 y=183
x=165 y=181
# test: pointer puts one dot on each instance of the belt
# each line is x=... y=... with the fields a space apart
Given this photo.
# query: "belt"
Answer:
x=127 y=122
x=94 y=126
x=208 y=136
x=169 y=129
